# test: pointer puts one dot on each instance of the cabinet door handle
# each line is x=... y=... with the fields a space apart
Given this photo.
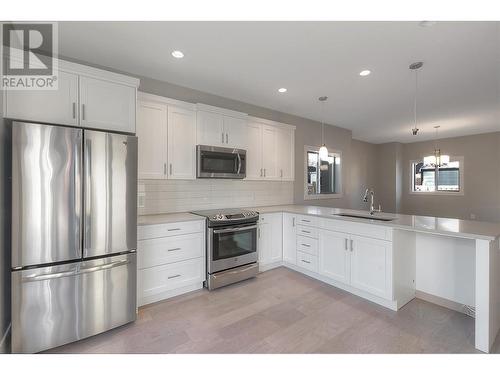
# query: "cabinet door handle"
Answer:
x=222 y=137
x=264 y=172
x=74 y=110
x=165 y=168
x=281 y=173
x=305 y=231
x=173 y=277
x=174 y=249
x=352 y=247
x=261 y=172
x=83 y=111
x=170 y=169
x=227 y=138
x=306 y=245
x=346 y=247
x=258 y=232
x=293 y=222
x=306 y=221
x=306 y=261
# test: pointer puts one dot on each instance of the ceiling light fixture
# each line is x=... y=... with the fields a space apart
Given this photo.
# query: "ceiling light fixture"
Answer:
x=177 y=54
x=415 y=67
x=323 y=151
x=282 y=90
x=436 y=159
x=364 y=73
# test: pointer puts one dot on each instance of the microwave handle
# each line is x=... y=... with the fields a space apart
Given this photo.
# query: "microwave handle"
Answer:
x=239 y=163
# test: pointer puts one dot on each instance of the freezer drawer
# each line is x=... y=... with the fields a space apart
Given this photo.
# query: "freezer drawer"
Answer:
x=56 y=305
x=110 y=170
x=46 y=194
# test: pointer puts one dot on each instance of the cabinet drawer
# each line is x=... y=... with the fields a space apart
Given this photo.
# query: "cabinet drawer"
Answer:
x=367 y=230
x=307 y=245
x=160 y=279
x=307 y=261
x=307 y=231
x=307 y=220
x=172 y=229
x=163 y=250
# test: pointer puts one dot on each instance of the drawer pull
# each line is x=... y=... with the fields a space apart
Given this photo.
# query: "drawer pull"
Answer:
x=306 y=221
x=173 y=277
x=306 y=245
x=173 y=229
x=306 y=261
x=175 y=249
x=305 y=231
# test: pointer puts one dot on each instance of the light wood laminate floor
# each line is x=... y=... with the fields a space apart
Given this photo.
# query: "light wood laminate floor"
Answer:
x=282 y=311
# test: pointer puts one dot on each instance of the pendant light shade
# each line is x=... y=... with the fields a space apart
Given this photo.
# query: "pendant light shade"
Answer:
x=323 y=151
x=436 y=159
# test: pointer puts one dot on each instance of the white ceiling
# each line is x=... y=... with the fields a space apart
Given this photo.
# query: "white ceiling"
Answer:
x=459 y=83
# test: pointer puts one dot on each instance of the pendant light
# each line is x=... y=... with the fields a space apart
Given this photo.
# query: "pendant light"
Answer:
x=436 y=159
x=323 y=151
x=415 y=67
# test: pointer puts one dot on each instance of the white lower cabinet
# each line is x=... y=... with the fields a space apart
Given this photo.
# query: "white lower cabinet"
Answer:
x=289 y=238
x=371 y=266
x=334 y=256
x=170 y=260
x=270 y=240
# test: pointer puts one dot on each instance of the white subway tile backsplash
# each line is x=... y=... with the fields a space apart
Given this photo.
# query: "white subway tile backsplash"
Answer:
x=165 y=196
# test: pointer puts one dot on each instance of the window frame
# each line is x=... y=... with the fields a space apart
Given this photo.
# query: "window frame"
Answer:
x=461 y=192
x=341 y=180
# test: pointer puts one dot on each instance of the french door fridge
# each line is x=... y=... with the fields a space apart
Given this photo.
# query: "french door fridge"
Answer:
x=74 y=236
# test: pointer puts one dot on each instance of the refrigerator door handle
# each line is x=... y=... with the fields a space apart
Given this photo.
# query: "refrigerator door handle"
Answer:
x=104 y=266
x=49 y=276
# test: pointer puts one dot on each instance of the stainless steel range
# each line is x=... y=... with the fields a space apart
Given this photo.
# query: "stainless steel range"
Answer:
x=231 y=246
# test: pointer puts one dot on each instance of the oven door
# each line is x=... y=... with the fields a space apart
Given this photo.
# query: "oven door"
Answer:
x=231 y=247
x=220 y=162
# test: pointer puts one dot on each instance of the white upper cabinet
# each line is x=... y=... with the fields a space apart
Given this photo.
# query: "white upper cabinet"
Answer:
x=52 y=106
x=152 y=136
x=254 y=151
x=286 y=153
x=107 y=105
x=235 y=130
x=210 y=129
x=181 y=143
x=166 y=129
x=87 y=97
x=216 y=128
x=269 y=152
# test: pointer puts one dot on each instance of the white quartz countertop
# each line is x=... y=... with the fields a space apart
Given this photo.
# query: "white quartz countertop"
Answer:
x=167 y=218
x=438 y=225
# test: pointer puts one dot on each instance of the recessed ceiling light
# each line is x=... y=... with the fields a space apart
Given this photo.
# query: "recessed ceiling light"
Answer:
x=282 y=90
x=177 y=54
x=364 y=73
x=426 y=23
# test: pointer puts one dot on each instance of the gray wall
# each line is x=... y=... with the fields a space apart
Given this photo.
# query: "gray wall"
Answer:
x=388 y=166
x=481 y=179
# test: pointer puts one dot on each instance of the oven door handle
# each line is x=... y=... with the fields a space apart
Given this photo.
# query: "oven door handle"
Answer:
x=238 y=229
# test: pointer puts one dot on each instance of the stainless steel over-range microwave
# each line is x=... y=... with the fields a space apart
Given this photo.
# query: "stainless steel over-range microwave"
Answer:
x=220 y=162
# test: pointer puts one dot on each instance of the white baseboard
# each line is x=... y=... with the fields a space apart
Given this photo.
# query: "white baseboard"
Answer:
x=269 y=266
x=440 y=301
x=169 y=294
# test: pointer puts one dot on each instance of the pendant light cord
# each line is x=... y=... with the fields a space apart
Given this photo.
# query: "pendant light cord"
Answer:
x=415 y=101
x=322 y=123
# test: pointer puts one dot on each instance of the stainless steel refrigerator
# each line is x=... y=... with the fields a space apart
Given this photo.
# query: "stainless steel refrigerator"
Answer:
x=74 y=234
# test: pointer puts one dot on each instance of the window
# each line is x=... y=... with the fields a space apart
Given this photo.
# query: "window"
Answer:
x=446 y=179
x=322 y=177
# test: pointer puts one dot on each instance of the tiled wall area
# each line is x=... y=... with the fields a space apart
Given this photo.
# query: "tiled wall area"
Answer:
x=166 y=196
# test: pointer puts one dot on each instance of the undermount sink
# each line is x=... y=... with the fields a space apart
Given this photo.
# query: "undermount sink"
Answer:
x=367 y=217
